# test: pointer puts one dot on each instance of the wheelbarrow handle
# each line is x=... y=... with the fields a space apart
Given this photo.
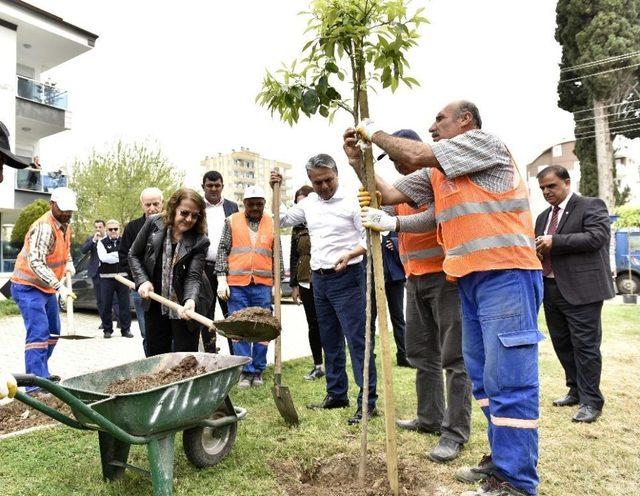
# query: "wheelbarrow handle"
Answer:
x=24 y=380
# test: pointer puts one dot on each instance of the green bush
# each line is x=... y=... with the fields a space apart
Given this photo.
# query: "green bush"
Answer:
x=629 y=216
x=28 y=216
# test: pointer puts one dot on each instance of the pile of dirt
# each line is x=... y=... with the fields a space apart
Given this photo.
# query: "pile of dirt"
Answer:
x=254 y=314
x=17 y=416
x=339 y=475
x=188 y=367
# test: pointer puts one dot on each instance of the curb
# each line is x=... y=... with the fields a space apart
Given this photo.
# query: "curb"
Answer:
x=28 y=431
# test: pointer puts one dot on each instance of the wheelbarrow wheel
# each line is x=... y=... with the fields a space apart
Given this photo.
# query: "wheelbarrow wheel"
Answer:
x=207 y=446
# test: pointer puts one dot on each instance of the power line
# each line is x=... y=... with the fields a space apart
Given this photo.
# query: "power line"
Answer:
x=607 y=106
x=606 y=60
x=611 y=131
x=612 y=128
x=599 y=73
x=593 y=116
x=615 y=123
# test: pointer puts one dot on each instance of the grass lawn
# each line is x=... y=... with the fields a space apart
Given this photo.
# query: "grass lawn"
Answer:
x=598 y=459
x=8 y=307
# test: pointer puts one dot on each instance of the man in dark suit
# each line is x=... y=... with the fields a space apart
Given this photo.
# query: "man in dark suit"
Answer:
x=151 y=204
x=90 y=246
x=572 y=241
x=218 y=209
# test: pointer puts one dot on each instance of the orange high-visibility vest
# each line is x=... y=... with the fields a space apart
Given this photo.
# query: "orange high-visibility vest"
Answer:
x=481 y=230
x=56 y=260
x=420 y=253
x=249 y=262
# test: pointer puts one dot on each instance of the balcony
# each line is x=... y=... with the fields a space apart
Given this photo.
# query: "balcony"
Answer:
x=34 y=184
x=41 y=109
x=44 y=93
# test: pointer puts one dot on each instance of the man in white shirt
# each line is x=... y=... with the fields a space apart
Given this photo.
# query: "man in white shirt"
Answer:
x=218 y=209
x=338 y=279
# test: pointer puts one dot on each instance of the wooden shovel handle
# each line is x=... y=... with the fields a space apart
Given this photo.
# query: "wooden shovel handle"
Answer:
x=276 y=276
x=171 y=304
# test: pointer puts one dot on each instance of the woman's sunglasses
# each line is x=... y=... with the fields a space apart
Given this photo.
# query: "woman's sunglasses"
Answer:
x=185 y=214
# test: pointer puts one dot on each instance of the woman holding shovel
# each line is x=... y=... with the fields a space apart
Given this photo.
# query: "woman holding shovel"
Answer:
x=168 y=257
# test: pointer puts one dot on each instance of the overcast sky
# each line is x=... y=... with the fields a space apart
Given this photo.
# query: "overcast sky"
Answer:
x=186 y=74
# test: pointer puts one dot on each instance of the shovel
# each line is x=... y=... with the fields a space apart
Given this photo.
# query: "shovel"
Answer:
x=71 y=326
x=281 y=394
x=233 y=327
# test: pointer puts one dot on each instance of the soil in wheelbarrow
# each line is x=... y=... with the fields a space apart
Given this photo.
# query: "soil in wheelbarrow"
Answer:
x=188 y=367
x=17 y=416
x=338 y=474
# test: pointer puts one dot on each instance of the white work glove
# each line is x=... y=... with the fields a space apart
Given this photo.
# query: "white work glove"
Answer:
x=8 y=385
x=189 y=306
x=378 y=220
x=70 y=269
x=223 y=288
x=66 y=292
x=366 y=129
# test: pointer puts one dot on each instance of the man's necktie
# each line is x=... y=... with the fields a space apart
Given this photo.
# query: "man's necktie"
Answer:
x=553 y=226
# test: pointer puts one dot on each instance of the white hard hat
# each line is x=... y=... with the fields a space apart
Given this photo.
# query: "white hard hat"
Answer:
x=65 y=198
x=254 y=192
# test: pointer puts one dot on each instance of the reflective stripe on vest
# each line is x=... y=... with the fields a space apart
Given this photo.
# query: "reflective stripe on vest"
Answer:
x=56 y=260
x=420 y=253
x=483 y=230
x=247 y=262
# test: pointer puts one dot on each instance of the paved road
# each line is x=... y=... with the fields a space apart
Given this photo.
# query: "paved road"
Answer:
x=75 y=357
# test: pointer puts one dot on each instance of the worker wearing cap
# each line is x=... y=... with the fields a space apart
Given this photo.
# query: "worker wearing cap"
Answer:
x=244 y=268
x=39 y=273
x=486 y=230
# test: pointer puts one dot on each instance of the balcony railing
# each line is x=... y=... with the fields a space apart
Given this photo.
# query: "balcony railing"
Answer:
x=45 y=93
x=38 y=181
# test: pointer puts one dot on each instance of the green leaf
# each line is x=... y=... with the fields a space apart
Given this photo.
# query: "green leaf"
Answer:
x=324 y=111
x=310 y=102
x=331 y=67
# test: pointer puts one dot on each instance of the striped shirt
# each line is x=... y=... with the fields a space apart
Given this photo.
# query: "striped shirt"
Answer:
x=41 y=244
x=480 y=155
x=224 y=248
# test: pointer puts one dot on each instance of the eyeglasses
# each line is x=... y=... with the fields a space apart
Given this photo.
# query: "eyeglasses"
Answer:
x=113 y=228
x=185 y=214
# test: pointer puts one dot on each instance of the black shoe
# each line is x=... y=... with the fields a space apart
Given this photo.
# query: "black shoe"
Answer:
x=480 y=472
x=415 y=425
x=329 y=403
x=567 y=400
x=127 y=334
x=403 y=362
x=357 y=417
x=445 y=451
x=587 y=414
x=316 y=373
x=54 y=378
x=494 y=486
x=107 y=335
x=100 y=327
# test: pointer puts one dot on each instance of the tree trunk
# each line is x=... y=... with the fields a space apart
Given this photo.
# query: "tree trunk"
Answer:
x=604 y=155
x=381 y=299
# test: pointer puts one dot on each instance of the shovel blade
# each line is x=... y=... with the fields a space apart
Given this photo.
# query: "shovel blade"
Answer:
x=284 y=403
x=248 y=330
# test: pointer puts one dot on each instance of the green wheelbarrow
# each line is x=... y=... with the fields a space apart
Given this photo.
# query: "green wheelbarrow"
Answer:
x=199 y=406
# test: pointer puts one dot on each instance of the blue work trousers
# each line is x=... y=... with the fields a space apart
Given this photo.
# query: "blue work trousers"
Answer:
x=241 y=297
x=340 y=307
x=41 y=317
x=500 y=345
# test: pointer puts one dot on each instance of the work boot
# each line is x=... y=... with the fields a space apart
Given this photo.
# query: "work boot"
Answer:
x=316 y=373
x=495 y=487
x=246 y=378
x=445 y=451
x=257 y=379
x=357 y=417
x=471 y=475
x=54 y=378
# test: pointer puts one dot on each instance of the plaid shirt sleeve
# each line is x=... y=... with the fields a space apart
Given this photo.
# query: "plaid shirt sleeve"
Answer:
x=419 y=222
x=481 y=156
x=41 y=243
x=417 y=186
x=222 y=264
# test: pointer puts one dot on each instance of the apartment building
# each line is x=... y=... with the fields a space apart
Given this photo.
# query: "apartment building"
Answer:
x=244 y=167
x=32 y=41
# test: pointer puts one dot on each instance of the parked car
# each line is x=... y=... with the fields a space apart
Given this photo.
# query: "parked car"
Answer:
x=628 y=257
